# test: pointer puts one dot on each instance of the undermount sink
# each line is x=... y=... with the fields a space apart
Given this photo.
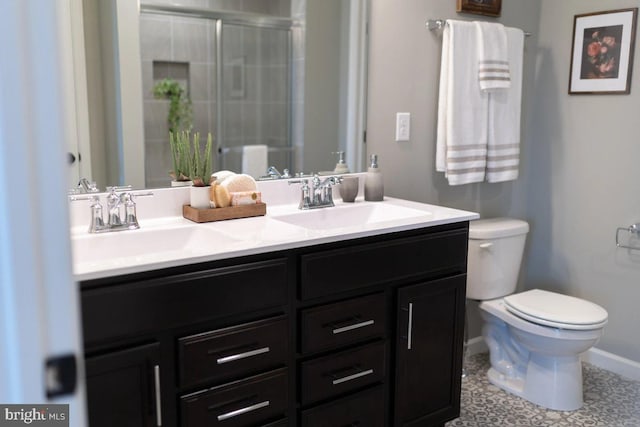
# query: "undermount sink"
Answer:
x=174 y=242
x=349 y=215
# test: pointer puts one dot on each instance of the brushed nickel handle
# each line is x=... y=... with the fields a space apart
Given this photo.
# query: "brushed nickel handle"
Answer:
x=354 y=326
x=244 y=355
x=353 y=377
x=410 y=326
x=241 y=411
x=156 y=378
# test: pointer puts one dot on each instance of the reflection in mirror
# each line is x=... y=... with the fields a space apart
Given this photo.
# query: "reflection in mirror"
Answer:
x=277 y=82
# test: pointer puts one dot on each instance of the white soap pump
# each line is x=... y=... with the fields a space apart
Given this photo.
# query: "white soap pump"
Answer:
x=373 y=185
x=341 y=166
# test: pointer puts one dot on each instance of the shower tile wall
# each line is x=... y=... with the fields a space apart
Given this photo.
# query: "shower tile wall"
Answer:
x=183 y=49
x=256 y=111
x=255 y=91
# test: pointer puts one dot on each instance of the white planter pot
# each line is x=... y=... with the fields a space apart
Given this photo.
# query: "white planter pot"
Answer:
x=200 y=197
x=181 y=183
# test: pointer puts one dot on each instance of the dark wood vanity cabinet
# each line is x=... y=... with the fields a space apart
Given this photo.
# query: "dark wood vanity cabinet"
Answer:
x=190 y=346
x=361 y=332
x=123 y=387
x=429 y=352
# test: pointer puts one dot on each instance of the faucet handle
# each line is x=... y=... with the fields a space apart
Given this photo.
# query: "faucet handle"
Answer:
x=114 y=188
x=97 y=221
x=76 y=198
x=130 y=215
x=141 y=193
x=303 y=181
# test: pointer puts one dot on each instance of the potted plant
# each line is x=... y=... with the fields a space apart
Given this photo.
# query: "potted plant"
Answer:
x=200 y=173
x=180 y=113
x=179 y=122
x=181 y=158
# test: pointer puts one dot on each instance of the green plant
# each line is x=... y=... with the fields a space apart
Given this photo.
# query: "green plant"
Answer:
x=201 y=167
x=181 y=155
x=180 y=112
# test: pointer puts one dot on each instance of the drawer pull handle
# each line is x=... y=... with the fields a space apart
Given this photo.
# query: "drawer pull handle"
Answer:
x=352 y=327
x=353 y=377
x=156 y=380
x=244 y=355
x=410 y=326
x=241 y=411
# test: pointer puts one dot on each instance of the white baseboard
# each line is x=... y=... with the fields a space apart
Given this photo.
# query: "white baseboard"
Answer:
x=602 y=359
x=476 y=345
x=619 y=365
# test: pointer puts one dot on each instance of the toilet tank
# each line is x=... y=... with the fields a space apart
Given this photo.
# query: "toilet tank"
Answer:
x=495 y=254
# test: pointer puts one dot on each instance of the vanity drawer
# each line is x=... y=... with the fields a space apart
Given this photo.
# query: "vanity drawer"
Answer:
x=157 y=304
x=255 y=401
x=424 y=256
x=338 y=373
x=366 y=409
x=232 y=352
x=345 y=322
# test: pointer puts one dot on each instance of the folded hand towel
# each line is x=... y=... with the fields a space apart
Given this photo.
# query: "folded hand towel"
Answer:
x=254 y=160
x=493 y=61
x=461 y=145
x=503 y=156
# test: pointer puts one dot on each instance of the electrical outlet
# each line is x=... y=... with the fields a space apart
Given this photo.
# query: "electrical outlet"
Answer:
x=403 y=126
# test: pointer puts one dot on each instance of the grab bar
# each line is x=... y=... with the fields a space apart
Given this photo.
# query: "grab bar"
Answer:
x=634 y=231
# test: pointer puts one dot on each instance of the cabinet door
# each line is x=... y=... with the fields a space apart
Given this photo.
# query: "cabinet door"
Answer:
x=123 y=388
x=429 y=352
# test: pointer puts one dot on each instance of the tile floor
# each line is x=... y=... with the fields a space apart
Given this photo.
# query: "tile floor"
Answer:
x=609 y=401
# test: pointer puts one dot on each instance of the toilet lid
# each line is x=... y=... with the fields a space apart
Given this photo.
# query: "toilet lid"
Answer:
x=556 y=310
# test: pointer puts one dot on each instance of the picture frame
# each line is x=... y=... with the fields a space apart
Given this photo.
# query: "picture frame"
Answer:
x=480 y=7
x=602 y=52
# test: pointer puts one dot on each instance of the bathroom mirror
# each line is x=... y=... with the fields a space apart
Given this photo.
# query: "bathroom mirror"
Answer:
x=288 y=74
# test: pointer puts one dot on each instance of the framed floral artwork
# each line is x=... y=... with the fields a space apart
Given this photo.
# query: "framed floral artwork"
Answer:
x=602 y=52
x=480 y=7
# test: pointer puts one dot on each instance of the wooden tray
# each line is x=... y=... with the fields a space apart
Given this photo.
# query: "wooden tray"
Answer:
x=221 y=214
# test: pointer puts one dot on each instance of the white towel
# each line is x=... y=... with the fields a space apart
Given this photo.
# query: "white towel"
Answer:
x=503 y=156
x=493 y=61
x=461 y=146
x=254 y=160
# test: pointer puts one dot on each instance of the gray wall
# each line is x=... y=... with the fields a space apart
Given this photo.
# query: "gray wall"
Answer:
x=582 y=182
x=578 y=177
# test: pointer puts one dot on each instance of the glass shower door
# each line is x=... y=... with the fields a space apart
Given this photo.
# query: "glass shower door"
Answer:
x=254 y=92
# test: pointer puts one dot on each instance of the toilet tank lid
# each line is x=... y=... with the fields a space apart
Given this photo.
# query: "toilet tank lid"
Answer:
x=493 y=228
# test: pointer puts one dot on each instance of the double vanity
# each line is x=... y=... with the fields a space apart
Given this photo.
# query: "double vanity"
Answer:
x=345 y=316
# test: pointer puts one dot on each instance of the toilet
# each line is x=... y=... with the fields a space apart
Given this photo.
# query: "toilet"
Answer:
x=535 y=337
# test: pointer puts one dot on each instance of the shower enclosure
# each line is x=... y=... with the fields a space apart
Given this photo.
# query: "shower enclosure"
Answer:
x=237 y=71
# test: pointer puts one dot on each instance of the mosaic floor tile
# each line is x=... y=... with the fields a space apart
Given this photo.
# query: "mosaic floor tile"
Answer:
x=609 y=401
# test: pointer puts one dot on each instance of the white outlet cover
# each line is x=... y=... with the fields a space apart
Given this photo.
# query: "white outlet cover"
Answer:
x=403 y=127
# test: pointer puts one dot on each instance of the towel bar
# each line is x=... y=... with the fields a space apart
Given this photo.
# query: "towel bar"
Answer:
x=438 y=24
x=634 y=231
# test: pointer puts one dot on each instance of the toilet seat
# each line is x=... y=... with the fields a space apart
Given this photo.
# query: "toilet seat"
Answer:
x=556 y=310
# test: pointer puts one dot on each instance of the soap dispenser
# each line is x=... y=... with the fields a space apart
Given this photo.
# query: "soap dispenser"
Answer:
x=341 y=166
x=373 y=186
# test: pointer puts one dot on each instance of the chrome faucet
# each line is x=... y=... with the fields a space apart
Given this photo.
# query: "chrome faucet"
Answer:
x=273 y=173
x=121 y=209
x=318 y=193
x=84 y=186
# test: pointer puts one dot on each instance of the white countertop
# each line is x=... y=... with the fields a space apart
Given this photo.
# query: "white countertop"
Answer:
x=168 y=240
